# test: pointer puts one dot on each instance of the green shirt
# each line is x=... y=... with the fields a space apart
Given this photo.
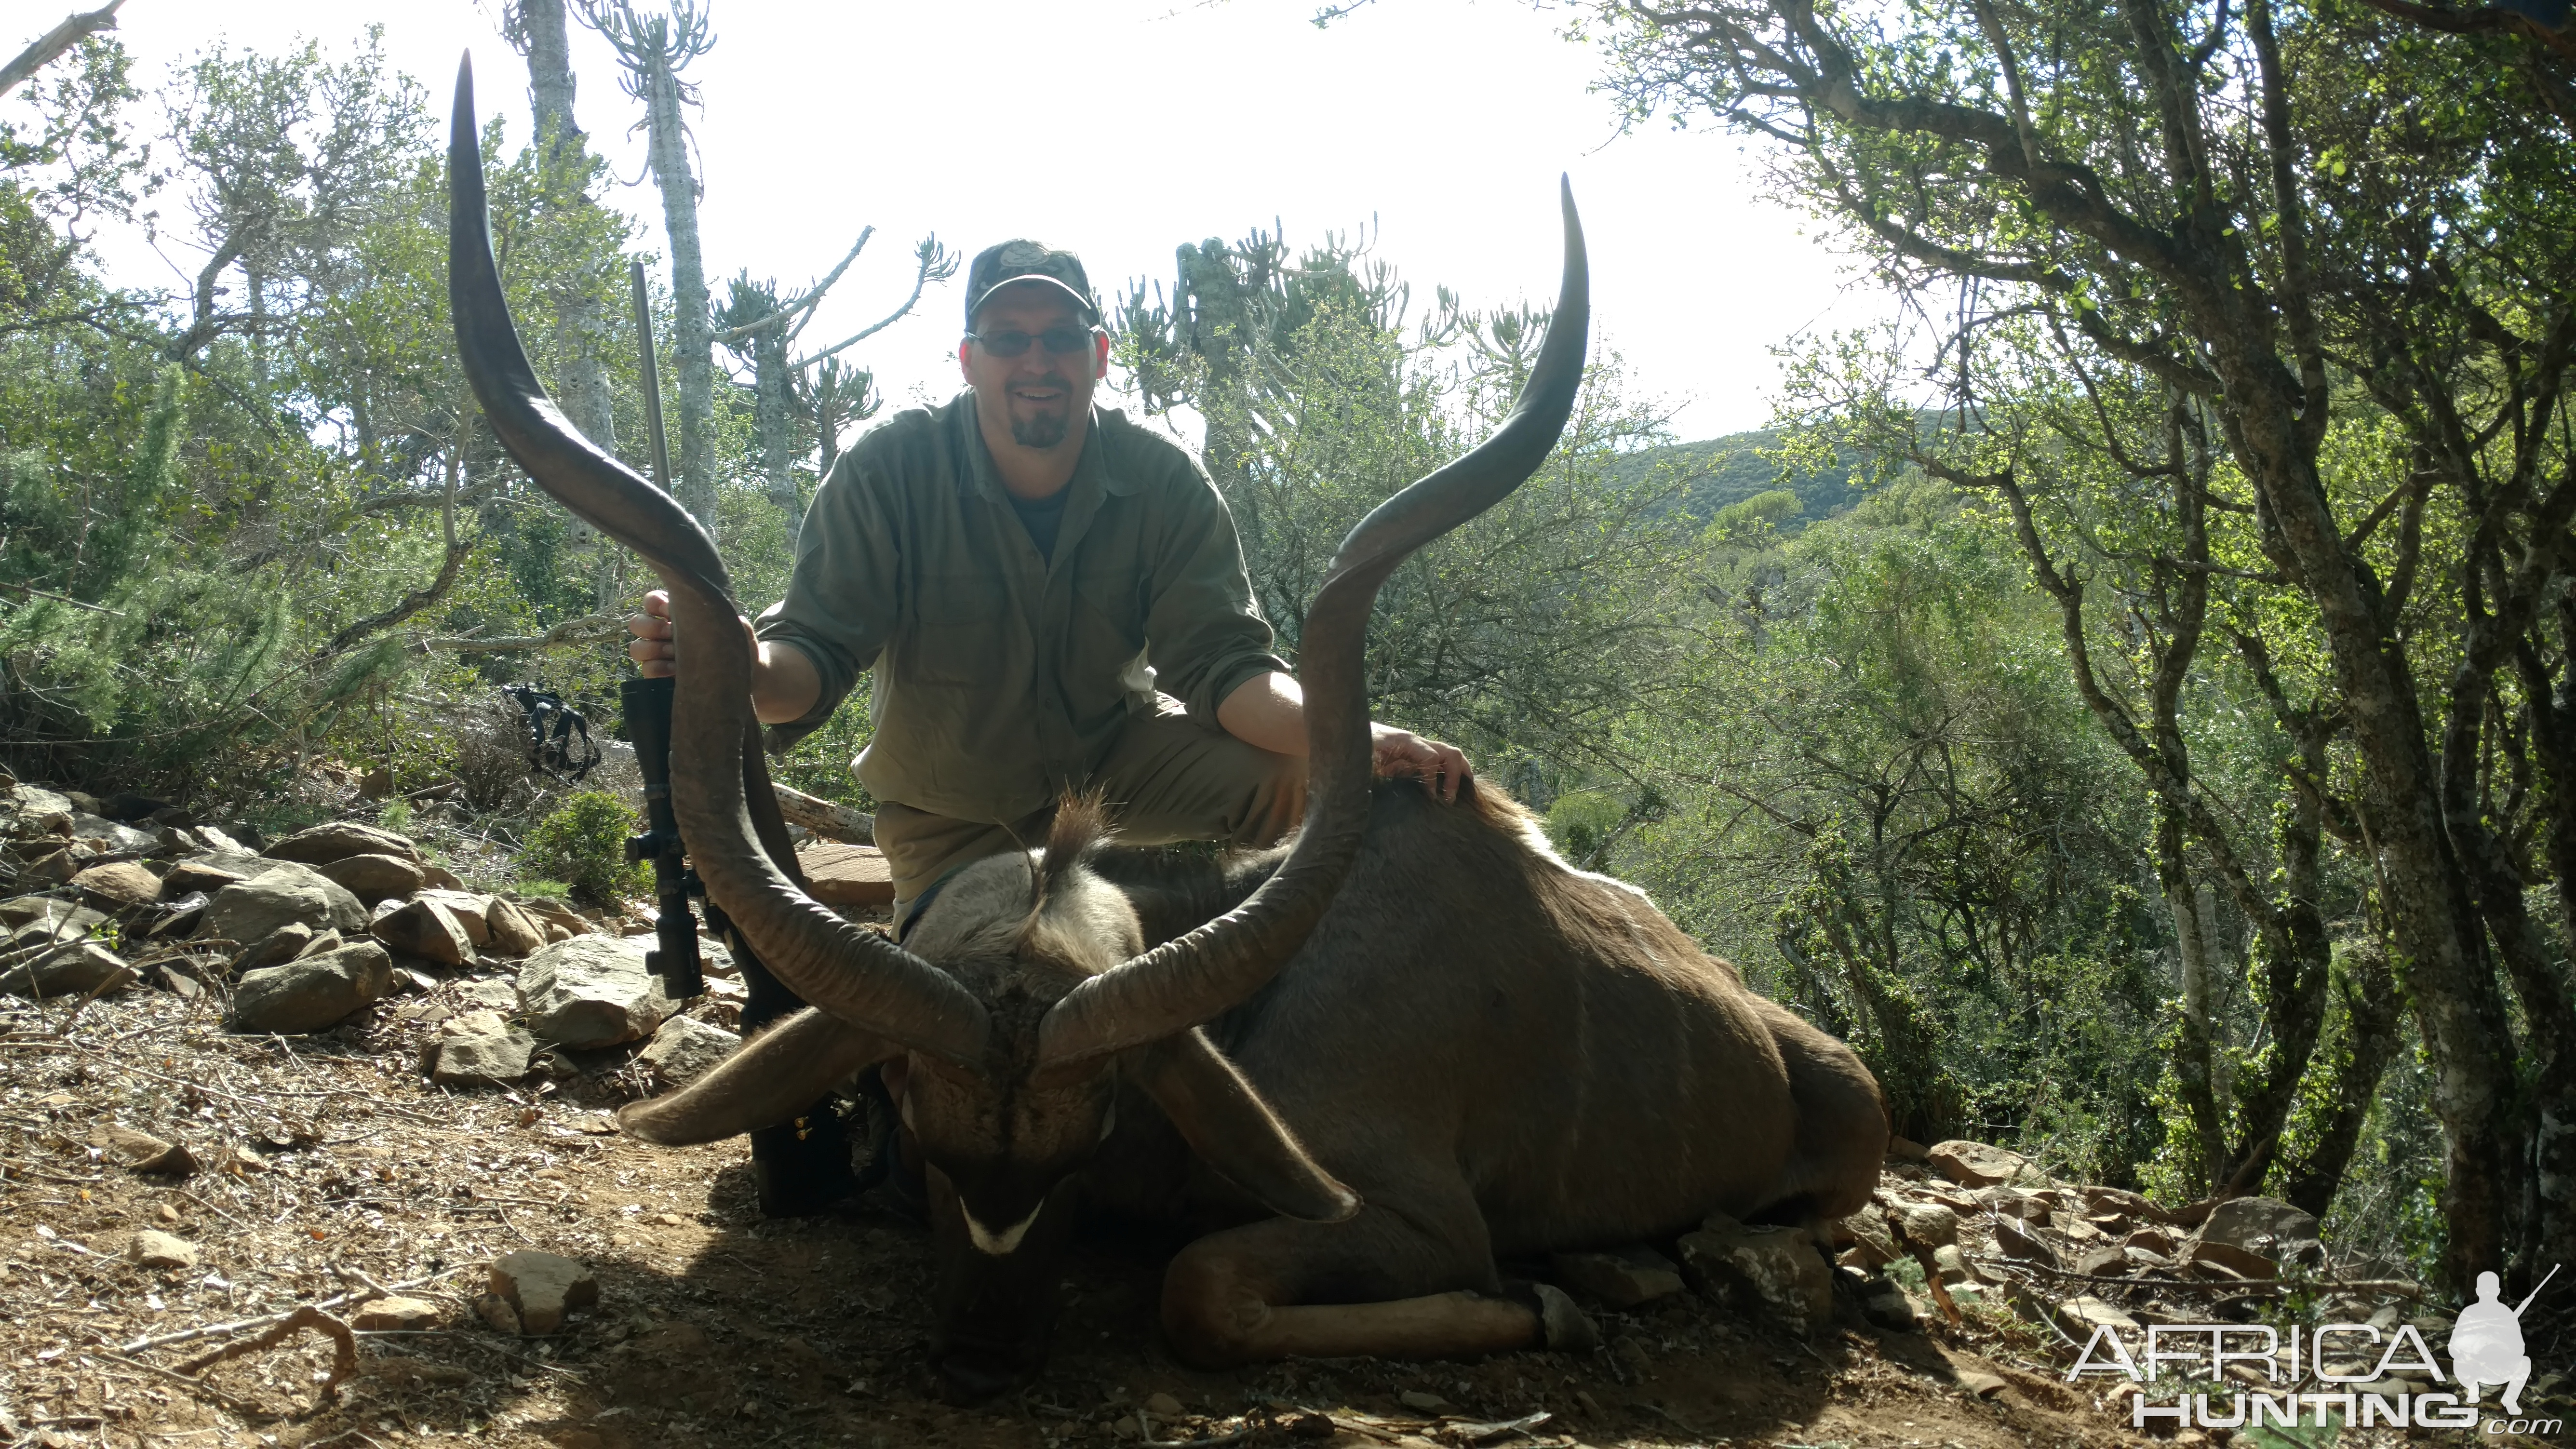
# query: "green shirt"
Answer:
x=1001 y=676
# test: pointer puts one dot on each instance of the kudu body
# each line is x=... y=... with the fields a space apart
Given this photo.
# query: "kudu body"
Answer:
x=1469 y=1049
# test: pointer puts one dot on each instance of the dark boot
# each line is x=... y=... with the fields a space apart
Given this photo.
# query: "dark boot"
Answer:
x=800 y=1167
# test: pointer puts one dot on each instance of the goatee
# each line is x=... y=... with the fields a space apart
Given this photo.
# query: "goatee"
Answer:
x=1043 y=431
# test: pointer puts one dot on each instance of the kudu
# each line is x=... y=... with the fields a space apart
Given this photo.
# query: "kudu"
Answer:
x=1368 y=1090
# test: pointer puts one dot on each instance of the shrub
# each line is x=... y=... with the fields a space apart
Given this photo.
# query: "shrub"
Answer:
x=584 y=846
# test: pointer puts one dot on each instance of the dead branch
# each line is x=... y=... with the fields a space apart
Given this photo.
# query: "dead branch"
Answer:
x=344 y=1348
x=75 y=28
x=832 y=822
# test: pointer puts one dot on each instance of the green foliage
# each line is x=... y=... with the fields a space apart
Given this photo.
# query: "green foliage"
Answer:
x=583 y=844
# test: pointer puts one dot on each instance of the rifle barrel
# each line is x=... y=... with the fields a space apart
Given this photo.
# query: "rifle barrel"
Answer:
x=652 y=379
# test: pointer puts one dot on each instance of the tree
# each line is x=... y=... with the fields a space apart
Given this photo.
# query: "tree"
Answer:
x=654 y=51
x=2251 y=209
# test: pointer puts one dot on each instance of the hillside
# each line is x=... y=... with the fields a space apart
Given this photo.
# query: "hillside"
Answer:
x=1727 y=470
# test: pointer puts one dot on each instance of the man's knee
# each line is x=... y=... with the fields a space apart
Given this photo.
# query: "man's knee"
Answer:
x=1275 y=800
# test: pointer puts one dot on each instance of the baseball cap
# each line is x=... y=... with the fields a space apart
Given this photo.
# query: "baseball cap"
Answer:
x=1022 y=260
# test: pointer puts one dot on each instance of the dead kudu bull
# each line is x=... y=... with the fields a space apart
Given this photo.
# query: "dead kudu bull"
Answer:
x=1368 y=1091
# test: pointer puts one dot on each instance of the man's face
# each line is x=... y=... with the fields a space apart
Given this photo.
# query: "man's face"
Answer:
x=1039 y=392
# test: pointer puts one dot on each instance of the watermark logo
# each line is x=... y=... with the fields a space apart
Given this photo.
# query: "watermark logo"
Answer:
x=2486 y=1350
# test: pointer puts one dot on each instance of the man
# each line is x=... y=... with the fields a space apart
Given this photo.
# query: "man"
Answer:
x=1052 y=599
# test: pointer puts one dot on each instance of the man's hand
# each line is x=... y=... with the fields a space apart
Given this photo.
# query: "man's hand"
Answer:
x=783 y=682
x=1402 y=754
x=651 y=647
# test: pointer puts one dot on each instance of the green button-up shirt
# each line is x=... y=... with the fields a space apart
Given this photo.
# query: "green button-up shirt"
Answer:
x=1002 y=678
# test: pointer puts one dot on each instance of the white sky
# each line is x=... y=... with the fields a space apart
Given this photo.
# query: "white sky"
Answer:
x=1121 y=128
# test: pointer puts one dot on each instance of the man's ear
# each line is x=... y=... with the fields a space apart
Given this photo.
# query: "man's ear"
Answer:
x=1099 y=356
x=770 y=1079
x=962 y=370
x=1228 y=1125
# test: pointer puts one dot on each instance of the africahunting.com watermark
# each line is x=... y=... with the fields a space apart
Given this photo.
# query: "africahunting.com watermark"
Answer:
x=2485 y=1351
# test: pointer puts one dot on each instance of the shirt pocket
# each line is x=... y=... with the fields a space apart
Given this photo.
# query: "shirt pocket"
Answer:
x=959 y=633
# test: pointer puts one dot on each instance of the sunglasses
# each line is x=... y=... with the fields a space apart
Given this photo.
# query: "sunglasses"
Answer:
x=1058 y=341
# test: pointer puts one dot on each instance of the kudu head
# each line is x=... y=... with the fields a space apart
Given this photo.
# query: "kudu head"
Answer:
x=1027 y=994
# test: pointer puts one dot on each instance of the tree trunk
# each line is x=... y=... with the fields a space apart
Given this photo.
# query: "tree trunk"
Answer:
x=581 y=334
x=2192 y=1047
x=692 y=325
x=773 y=417
x=2359 y=1054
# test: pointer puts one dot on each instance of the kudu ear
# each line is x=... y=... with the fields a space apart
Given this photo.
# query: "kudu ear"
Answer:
x=1231 y=1129
x=775 y=1075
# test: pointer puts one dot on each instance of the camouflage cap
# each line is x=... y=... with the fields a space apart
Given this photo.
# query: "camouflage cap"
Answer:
x=1020 y=259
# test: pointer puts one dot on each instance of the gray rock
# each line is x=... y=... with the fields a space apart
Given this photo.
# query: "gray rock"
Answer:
x=122 y=886
x=1871 y=1238
x=36 y=803
x=591 y=991
x=313 y=992
x=373 y=878
x=339 y=840
x=1929 y=1224
x=86 y=826
x=2264 y=1225
x=38 y=918
x=479 y=1049
x=541 y=1287
x=150 y=1249
x=513 y=932
x=1979 y=1164
x=193 y=877
x=249 y=909
x=1766 y=1271
x=425 y=928
x=283 y=944
x=684 y=1048
x=1622 y=1277
x=75 y=968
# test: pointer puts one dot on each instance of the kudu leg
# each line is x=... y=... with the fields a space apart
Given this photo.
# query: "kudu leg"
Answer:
x=1237 y=1296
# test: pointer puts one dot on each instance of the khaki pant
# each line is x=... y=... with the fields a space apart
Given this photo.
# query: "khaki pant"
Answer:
x=1168 y=778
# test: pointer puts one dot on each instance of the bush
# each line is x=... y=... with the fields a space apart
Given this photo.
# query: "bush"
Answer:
x=584 y=846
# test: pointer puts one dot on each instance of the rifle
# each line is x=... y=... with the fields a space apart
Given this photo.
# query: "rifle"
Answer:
x=647 y=703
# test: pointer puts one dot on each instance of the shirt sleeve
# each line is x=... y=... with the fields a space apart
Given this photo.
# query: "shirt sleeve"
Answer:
x=1204 y=634
x=843 y=596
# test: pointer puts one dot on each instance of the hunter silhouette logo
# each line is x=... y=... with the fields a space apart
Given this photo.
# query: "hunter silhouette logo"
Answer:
x=2255 y=1375
x=2486 y=1344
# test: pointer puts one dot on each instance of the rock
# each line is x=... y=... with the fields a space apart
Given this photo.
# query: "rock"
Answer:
x=1951 y=1264
x=1870 y=1238
x=123 y=886
x=152 y=1249
x=75 y=968
x=1884 y=1304
x=513 y=932
x=127 y=807
x=372 y=878
x=339 y=840
x=108 y=835
x=479 y=1049
x=1975 y=1164
x=847 y=877
x=423 y=927
x=493 y=993
x=2237 y=1262
x=218 y=842
x=283 y=944
x=2128 y=1204
x=591 y=991
x=194 y=877
x=541 y=1287
x=1414 y=1399
x=1929 y=1224
x=311 y=993
x=440 y=876
x=2014 y=1241
x=40 y=918
x=552 y=915
x=1905 y=1149
x=82 y=801
x=1767 y=1270
x=682 y=1048
x=2265 y=1225
x=1979 y=1383
x=1622 y=1277
x=2150 y=1240
x=327 y=941
x=396 y=1315
x=496 y=1312
x=2080 y=1316
x=36 y=803
x=56 y=868
x=468 y=908
x=1164 y=1406
x=143 y=1152
x=249 y=909
x=2103 y=1262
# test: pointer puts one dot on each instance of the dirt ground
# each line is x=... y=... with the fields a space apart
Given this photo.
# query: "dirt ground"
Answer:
x=328 y=1166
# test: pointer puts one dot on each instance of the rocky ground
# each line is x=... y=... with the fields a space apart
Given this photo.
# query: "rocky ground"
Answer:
x=309 y=1145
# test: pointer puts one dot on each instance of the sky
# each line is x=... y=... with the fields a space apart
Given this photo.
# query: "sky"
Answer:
x=1121 y=129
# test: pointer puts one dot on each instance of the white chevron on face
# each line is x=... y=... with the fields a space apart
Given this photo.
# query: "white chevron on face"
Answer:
x=1003 y=1243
